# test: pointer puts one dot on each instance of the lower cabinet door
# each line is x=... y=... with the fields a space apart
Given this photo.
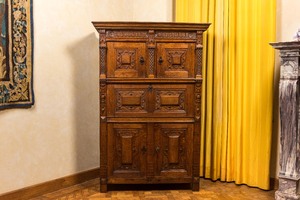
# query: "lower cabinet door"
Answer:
x=174 y=150
x=127 y=150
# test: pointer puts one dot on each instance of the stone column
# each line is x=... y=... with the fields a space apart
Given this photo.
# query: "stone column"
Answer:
x=289 y=174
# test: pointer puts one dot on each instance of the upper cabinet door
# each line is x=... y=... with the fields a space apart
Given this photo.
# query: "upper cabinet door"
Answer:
x=175 y=60
x=126 y=59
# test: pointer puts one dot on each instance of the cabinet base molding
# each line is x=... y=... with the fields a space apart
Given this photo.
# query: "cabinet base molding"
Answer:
x=51 y=186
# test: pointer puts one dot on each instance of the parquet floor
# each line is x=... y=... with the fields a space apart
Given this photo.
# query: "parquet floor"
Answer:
x=209 y=190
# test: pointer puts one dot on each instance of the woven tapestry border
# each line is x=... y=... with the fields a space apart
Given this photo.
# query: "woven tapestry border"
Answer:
x=16 y=54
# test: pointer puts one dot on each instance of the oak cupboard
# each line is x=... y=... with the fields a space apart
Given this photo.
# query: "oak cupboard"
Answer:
x=150 y=99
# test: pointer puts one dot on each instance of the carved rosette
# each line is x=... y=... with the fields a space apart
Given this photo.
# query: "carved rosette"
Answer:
x=126 y=58
x=176 y=59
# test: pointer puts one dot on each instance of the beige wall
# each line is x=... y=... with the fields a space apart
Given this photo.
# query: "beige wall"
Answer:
x=287 y=25
x=59 y=135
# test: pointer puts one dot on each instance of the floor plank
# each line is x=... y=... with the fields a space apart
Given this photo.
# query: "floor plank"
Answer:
x=209 y=190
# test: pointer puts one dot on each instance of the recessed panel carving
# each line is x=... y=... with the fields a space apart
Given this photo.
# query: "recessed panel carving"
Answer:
x=174 y=151
x=131 y=101
x=128 y=144
x=170 y=100
x=126 y=59
x=176 y=59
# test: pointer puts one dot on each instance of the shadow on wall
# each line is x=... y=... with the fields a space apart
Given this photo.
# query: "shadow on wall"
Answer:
x=274 y=166
x=84 y=55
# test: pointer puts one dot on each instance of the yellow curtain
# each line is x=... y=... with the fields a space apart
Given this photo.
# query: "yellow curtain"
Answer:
x=237 y=88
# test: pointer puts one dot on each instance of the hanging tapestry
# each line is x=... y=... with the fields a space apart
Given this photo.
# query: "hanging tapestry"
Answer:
x=16 y=53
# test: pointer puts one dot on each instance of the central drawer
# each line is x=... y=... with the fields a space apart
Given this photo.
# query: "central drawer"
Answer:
x=150 y=100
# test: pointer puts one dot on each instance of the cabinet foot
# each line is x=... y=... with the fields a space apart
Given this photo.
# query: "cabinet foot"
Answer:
x=103 y=185
x=195 y=184
x=103 y=188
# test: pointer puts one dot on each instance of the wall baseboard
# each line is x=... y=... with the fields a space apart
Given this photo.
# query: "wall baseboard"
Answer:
x=51 y=186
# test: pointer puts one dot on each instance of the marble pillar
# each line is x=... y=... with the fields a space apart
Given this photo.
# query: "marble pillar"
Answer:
x=289 y=172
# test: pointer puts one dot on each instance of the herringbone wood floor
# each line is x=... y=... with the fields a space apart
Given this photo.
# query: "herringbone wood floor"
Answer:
x=208 y=190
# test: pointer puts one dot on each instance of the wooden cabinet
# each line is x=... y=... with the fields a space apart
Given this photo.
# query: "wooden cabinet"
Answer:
x=150 y=100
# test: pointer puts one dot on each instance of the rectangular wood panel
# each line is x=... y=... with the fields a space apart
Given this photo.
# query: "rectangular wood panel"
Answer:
x=173 y=149
x=126 y=149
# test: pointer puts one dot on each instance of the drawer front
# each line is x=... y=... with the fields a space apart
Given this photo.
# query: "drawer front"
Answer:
x=126 y=59
x=173 y=100
x=128 y=100
x=175 y=60
x=150 y=100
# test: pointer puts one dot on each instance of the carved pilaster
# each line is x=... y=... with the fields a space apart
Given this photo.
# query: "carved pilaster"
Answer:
x=102 y=50
x=198 y=101
x=103 y=136
x=196 y=140
x=198 y=56
x=151 y=49
x=289 y=172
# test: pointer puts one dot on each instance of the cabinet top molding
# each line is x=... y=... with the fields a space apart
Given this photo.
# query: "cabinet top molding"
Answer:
x=151 y=25
x=286 y=45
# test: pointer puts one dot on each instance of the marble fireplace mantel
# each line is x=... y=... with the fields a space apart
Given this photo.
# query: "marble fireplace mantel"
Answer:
x=289 y=104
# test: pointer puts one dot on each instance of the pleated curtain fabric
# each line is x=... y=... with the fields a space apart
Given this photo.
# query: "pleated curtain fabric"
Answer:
x=237 y=88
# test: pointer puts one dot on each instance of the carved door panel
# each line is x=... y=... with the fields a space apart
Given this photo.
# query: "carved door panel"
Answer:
x=128 y=100
x=126 y=59
x=127 y=150
x=174 y=150
x=173 y=100
x=175 y=60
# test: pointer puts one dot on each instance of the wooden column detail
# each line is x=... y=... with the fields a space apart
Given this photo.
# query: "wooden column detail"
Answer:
x=151 y=49
x=199 y=48
x=102 y=53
